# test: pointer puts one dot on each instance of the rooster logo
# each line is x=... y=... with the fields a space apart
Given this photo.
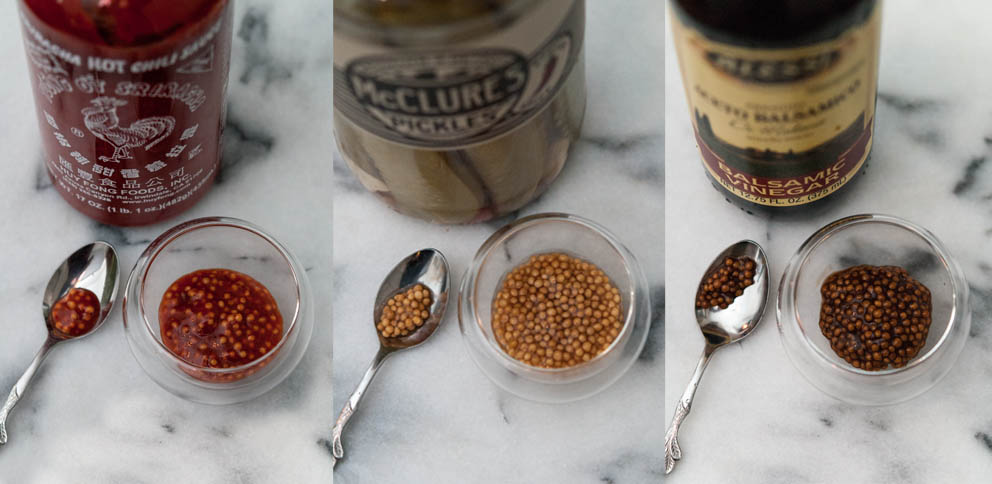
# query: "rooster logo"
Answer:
x=101 y=119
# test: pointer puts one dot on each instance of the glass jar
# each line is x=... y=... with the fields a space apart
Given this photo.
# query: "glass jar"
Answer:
x=879 y=240
x=458 y=111
x=511 y=246
x=130 y=97
x=222 y=243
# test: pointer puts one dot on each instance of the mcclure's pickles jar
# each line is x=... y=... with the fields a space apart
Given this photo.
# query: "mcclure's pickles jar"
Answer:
x=781 y=94
x=457 y=111
x=130 y=98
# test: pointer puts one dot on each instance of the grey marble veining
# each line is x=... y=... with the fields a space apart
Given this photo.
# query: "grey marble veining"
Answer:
x=92 y=415
x=755 y=419
x=431 y=416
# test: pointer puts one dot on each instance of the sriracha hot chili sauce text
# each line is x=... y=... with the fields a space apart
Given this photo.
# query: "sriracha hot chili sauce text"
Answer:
x=782 y=99
x=131 y=101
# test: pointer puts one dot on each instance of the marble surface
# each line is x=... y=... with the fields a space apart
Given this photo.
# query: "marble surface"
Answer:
x=431 y=416
x=755 y=417
x=92 y=416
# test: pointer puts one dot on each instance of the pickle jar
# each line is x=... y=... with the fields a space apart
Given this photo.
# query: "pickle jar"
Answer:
x=458 y=111
x=130 y=98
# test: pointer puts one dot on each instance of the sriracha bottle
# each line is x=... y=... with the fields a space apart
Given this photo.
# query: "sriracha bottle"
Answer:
x=130 y=97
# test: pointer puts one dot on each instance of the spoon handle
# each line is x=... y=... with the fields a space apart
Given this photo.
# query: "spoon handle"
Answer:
x=672 y=450
x=352 y=404
x=21 y=386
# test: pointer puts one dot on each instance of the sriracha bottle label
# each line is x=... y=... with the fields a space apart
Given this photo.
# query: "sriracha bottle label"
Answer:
x=131 y=132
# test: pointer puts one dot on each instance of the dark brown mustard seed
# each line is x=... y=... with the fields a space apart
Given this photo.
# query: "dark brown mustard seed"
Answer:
x=875 y=317
x=726 y=283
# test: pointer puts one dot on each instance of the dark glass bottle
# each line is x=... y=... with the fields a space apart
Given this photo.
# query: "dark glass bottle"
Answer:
x=782 y=95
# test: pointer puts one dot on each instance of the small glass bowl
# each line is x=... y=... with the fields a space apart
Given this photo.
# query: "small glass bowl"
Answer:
x=513 y=245
x=874 y=240
x=210 y=243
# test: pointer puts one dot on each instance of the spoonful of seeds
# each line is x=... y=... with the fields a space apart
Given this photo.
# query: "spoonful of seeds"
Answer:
x=77 y=300
x=729 y=303
x=408 y=308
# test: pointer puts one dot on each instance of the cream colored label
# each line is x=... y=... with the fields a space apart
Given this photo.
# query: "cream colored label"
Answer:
x=785 y=99
x=769 y=122
x=462 y=93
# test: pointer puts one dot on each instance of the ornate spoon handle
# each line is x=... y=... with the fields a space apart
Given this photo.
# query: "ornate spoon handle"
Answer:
x=672 y=450
x=352 y=404
x=21 y=386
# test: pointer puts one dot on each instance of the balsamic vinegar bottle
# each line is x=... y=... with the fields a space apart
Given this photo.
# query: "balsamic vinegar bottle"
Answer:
x=781 y=94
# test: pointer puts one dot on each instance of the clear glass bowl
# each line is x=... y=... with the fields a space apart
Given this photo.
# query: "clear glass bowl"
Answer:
x=875 y=240
x=511 y=246
x=209 y=243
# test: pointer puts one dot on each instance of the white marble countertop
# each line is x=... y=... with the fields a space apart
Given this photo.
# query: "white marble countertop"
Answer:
x=755 y=418
x=92 y=416
x=431 y=416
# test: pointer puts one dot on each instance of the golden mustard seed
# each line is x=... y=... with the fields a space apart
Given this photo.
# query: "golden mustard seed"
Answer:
x=556 y=311
x=405 y=312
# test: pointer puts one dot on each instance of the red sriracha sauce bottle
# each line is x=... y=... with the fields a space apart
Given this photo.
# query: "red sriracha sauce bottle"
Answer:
x=130 y=96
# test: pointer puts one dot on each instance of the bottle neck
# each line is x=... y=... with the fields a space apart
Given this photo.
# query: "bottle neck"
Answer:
x=123 y=24
x=425 y=22
x=772 y=23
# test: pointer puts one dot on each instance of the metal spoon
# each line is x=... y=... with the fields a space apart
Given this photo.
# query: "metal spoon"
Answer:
x=92 y=267
x=427 y=267
x=721 y=327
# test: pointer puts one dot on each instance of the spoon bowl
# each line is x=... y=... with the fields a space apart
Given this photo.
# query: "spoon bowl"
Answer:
x=427 y=267
x=721 y=327
x=93 y=267
x=729 y=325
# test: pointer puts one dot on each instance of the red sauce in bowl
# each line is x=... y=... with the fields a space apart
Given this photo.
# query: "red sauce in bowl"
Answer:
x=219 y=318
